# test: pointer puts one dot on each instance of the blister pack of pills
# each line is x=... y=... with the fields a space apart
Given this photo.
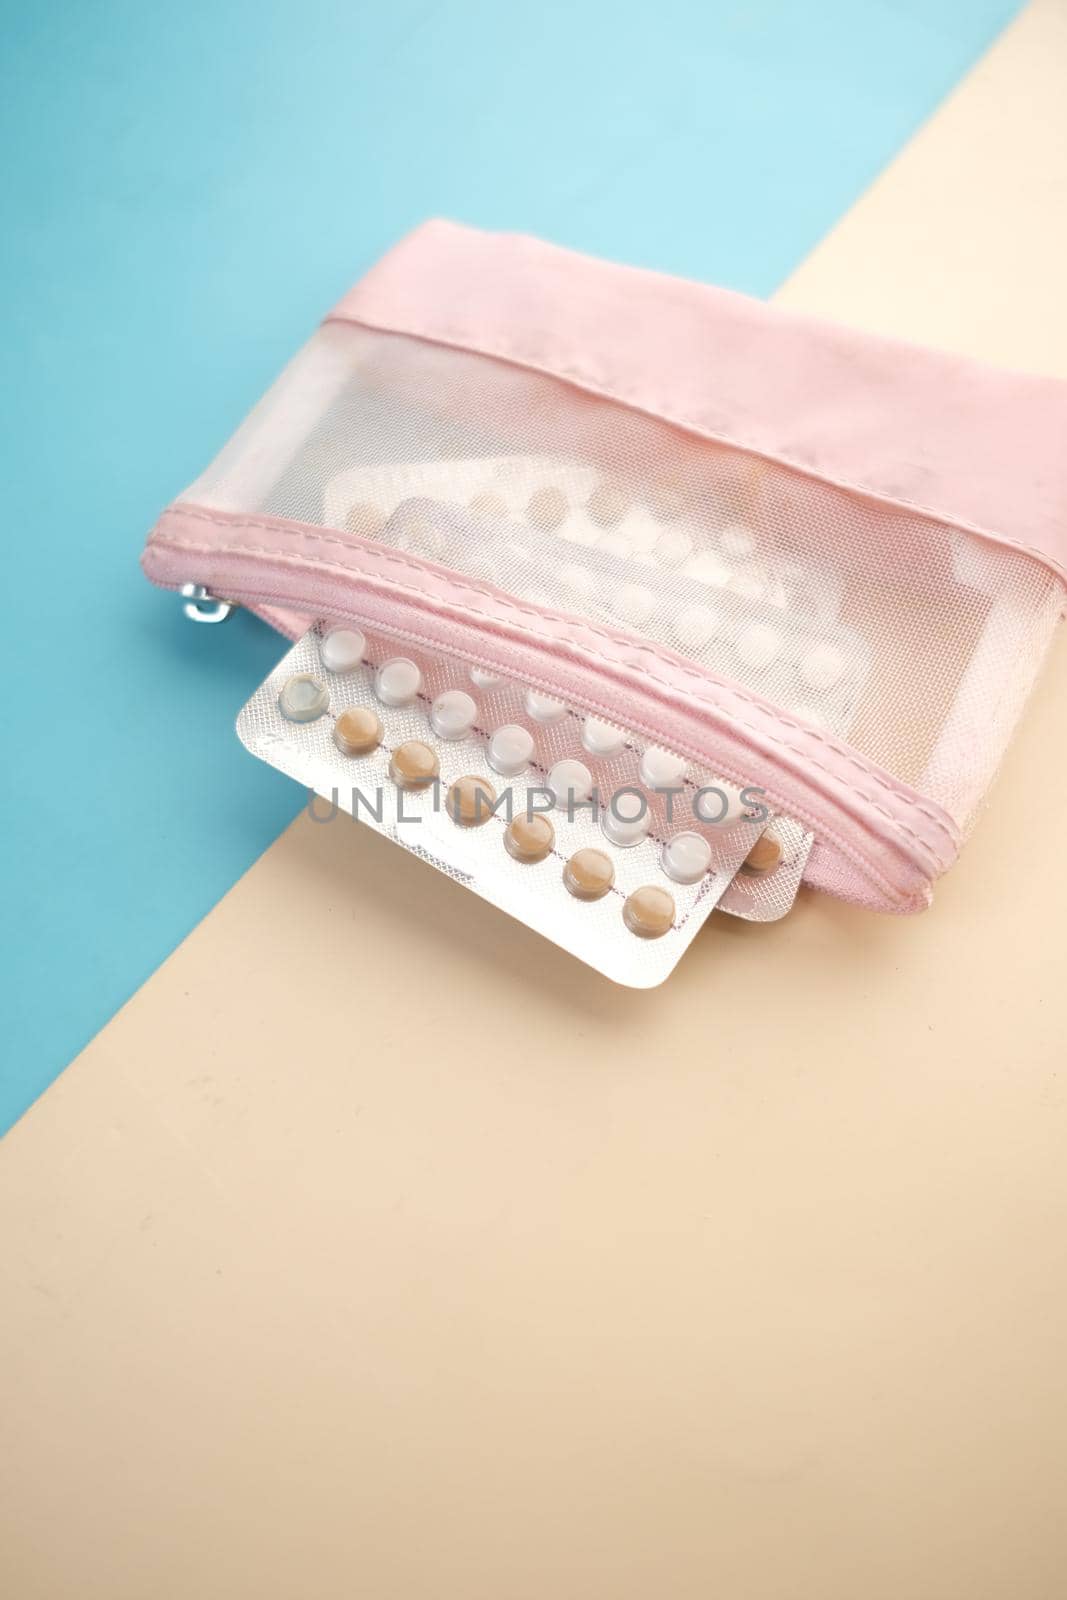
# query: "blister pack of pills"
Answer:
x=615 y=849
x=570 y=500
x=561 y=536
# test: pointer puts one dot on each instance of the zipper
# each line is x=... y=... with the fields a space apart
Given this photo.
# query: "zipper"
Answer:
x=873 y=856
x=203 y=606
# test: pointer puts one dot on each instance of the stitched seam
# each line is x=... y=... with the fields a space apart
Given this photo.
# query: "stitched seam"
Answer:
x=895 y=897
x=388 y=559
x=893 y=894
x=456 y=581
x=609 y=389
x=928 y=852
x=815 y=875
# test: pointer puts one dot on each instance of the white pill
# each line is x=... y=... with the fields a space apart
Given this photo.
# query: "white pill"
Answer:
x=720 y=805
x=578 y=579
x=542 y=707
x=686 y=857
x=662 y=769
x=673 y=547
x=418 y=536
x=510 y=750
x=759 y=645
x=642 y=536
x=749 y=584
x=601 y=739
x=481 y=564
x=633 y=603
x=625 y=819
x=569 y=780
x=303 y=698
x=342 y=649
x=696 y=626
x=822 y=666
x=397 y=682
x=738 y=542
x=482 y=678
x=616 y=544
x=576 y=532
x=452 y=714
x=707 y=567
x=809 y=714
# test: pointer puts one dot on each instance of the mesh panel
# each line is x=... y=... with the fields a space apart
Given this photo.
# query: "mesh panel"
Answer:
x=915 y=641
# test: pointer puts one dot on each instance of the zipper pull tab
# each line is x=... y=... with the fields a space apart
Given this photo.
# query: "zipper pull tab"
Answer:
x=203 y=606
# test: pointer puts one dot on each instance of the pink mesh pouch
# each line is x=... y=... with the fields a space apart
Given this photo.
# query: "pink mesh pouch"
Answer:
x=815 y=561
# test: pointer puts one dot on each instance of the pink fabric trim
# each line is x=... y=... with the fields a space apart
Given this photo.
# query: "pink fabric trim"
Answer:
x=934 y=433
x=899 y=841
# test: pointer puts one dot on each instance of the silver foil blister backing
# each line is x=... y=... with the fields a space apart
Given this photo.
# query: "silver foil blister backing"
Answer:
x=419 y=822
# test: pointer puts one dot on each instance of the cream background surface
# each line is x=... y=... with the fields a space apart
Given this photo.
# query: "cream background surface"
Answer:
x=376 y=1248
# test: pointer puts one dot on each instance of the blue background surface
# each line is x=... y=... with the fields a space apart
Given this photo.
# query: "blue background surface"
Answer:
x=184 y=191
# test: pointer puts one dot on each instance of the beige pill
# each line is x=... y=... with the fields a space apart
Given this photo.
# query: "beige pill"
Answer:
x=607 y=505
x=488 y=505
x=589 y=874
x=470 y=801
x=529 y=839
x=547 y=508
x=419 y=535
x=413 y=765
x=365 y=519
x=763 y=857
x=357 y=731
x=649 y=912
